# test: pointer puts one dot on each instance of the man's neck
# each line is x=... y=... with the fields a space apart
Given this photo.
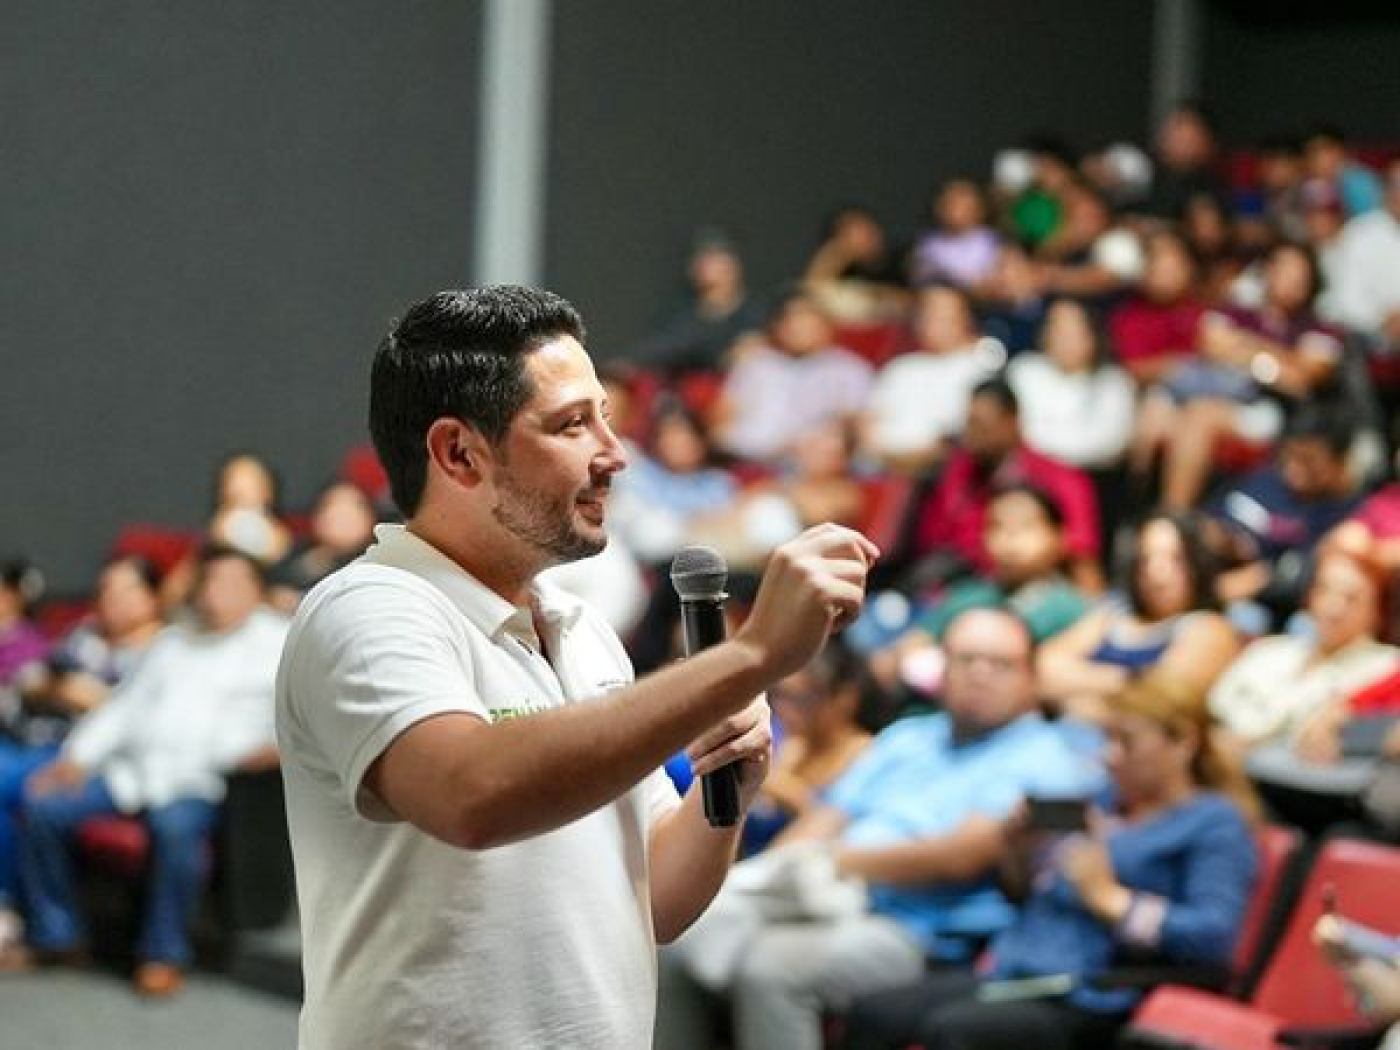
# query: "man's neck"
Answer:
x=505 y=573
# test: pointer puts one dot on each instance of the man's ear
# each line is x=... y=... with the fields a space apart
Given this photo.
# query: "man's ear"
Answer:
x=457 y=450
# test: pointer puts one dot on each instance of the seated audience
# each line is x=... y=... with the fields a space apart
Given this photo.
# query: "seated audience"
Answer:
x=816 y=487
x=1025 y=540
x=918 y=402
x=1038 y=210
x=1163 y=873
x=342 y=526
x=992 y=455
x=823 y=724
x=854 y=275
x=1326 y=157
x=73 y=680
x=1363 y=289
x=1294 y=688
x=918 y=818
x=1076 y=405
x=1164 y=621
x=1254 y=364
x=1185 y=155
x=1268 y=523
x=717 y=310
x=1013 y=301
x=798 y=380
x=245 y=517
x=962 y=250
x=22 y=644
x=1154 y=331
x=199 y=705
x=1089 y=257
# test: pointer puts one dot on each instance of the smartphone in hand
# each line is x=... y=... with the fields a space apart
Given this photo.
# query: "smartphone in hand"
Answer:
x=1061 y=816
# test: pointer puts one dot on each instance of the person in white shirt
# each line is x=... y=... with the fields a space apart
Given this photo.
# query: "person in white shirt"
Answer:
x=1364 y=288
x=918 y=403
x=1076 y=405
x=486 y=849
x=197 y=706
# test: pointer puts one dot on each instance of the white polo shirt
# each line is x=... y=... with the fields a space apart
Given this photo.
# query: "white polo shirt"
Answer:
x=409 y=942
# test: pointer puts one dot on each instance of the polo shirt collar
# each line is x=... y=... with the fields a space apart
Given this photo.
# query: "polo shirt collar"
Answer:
x=490 y=613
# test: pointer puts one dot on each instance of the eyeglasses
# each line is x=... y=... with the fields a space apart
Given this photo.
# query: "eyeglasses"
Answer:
x=993 y=661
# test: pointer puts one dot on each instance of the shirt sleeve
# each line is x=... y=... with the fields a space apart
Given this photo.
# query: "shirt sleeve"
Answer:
x=1203 y=923
x=373 y=660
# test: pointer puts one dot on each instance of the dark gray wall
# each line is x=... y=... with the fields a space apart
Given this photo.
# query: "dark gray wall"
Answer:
x=1274 y=68
x=210 y=211
x=758 y=117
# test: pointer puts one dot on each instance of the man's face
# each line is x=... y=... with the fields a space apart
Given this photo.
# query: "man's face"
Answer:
x=989 y=681
x=1310 y=468
x=990 y=432
x=555 y=464
x=229 y=592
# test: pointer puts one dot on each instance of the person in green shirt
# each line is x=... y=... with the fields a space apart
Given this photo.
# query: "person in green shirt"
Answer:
x=1024 y=535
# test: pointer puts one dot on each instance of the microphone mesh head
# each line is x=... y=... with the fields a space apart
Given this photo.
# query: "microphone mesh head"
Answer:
x=699 y=573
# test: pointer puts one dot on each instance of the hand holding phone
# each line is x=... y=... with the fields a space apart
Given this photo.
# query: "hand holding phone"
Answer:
x=1060 y=816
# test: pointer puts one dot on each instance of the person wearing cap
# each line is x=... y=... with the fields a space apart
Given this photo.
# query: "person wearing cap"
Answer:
x=486 y=847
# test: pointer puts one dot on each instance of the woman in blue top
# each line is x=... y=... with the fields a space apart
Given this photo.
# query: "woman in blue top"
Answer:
x=1164 y=874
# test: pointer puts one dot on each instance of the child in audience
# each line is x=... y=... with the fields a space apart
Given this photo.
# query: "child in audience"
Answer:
x=1025 y=539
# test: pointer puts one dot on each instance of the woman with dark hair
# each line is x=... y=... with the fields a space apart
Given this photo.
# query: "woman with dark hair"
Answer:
x=1162 y=871
x=1076 y=405
x=1165 y=620
x=1253 y=365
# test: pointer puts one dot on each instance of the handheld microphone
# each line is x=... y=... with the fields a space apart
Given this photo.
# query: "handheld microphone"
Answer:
x=699 y=575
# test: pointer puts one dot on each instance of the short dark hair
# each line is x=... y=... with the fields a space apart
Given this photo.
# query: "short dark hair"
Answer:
x=999 y=390
x=1324 y=421
x=457 y=354
x=1048 y=504
x=209 y=553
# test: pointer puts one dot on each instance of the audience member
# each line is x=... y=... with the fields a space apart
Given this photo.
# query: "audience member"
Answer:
x=962 y=250
x=816 y=487
x=1254 y=363
x=1036 y=214
x=1268 y=523
x=798 y=380
x=993 y=455
x=1025 y=541
x=1165 y=620
x=717 y=310
x=1186 y=152
x=1163 y=872
x=198 y=705
x=342 y=526
x=1154 y=331
x=1294 y=688
x=1364 y=279
x=1076 y=405
x=918 y=402
x=1013 y=300
x=1089 y=257
x=22 y=644
x=854 y=275
x=824 y=723
x=918 y=819
x=73 y=680
x=1326 y=157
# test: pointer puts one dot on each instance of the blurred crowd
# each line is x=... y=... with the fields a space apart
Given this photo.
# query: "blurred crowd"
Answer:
x=1121 y=424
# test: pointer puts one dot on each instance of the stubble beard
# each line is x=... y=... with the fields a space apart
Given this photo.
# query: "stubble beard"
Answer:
x=543 y=524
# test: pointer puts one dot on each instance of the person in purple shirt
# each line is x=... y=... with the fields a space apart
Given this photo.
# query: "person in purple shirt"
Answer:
x=1162 y=873
x=22 y=644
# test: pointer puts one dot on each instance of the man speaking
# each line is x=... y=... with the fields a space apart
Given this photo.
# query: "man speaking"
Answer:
x=486 y=852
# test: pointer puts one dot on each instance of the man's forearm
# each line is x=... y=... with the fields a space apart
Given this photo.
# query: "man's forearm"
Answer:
x=479 y=786
x=689 y=860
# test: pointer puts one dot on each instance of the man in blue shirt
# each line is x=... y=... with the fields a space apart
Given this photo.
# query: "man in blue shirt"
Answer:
x=918 y=819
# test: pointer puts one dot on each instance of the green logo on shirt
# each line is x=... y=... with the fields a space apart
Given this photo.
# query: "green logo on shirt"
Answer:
x=505 y=714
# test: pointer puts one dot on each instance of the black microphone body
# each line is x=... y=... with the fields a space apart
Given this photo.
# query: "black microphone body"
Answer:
x=699 y=575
